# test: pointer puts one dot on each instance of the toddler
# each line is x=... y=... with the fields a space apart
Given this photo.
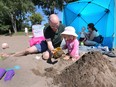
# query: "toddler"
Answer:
x=82 y=34
x=72 y=44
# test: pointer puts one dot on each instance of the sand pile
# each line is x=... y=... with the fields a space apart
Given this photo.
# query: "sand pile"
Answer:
x=92 y=70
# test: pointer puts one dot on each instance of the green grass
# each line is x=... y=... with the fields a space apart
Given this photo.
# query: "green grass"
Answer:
x=21 y=33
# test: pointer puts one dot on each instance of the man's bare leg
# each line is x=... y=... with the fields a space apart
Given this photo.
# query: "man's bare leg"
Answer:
x=29 y=50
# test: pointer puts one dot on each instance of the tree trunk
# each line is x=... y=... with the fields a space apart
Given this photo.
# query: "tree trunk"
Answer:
x=13 y=23
x=10 y=33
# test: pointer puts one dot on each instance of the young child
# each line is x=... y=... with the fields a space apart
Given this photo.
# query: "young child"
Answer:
x=72 y=44
x=82 y=34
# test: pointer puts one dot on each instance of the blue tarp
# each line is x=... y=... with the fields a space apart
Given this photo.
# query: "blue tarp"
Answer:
x=99 y=12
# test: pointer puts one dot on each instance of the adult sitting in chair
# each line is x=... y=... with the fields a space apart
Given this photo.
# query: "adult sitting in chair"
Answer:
x=92 y=37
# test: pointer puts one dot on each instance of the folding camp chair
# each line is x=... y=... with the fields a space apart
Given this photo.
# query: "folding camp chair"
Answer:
x=37 y=30
x=38 y=35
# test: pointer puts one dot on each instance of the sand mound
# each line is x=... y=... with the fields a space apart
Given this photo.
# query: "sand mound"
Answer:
x=92 y=70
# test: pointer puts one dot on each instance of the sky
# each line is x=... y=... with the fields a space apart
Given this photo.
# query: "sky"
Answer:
x=39 y=10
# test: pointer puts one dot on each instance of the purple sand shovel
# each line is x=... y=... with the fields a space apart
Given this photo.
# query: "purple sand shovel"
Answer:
x=2 y=72
x=9 y=75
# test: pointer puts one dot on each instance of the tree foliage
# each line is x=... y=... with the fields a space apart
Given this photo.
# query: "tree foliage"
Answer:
x=13 y=12
x=36 y=18
x=49 y=6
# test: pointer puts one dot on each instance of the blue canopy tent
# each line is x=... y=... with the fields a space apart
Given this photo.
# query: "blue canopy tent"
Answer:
x=99 y=12
x=114 y=44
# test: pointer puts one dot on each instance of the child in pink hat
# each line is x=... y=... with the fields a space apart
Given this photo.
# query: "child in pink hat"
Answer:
x=72 y=44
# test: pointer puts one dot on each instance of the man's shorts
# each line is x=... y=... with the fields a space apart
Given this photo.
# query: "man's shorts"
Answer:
x=42 y=46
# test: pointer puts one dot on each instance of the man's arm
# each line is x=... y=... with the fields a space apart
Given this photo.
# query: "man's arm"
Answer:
x=50 y=45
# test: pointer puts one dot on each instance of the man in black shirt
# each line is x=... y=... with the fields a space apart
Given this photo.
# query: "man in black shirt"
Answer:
x=52 y=34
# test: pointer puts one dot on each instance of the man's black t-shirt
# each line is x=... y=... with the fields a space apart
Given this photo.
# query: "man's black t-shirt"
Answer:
x=54 y=36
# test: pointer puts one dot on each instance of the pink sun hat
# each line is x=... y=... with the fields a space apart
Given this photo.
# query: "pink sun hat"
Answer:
x=69 y=30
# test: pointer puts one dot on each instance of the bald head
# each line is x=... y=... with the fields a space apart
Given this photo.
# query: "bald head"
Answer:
x=54 y=22
x=54 y=18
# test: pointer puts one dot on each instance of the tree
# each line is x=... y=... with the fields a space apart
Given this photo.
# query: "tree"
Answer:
x=49 y=6
x=36 y=18
x=5 y=23
x=15 y=10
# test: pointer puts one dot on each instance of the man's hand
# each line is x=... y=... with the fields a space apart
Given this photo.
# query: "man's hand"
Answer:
x=57 y=52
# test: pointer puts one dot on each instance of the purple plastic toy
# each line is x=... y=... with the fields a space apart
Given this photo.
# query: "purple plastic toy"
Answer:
x=9 y=75
x=2 y=72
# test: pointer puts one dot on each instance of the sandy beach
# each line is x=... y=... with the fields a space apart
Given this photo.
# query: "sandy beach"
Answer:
x=37 y=72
